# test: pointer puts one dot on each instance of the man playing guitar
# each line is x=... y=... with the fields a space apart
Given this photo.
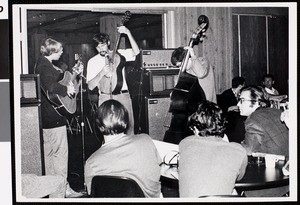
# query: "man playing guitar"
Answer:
x=53 y=123
x=105 y=71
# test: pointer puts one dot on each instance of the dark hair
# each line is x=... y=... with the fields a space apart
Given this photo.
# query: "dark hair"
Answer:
x=112 y=117
x=236 y=81
x=50 y=46
x=268 y=76
x=178 y=55
x=257 y=94
x=101 y=38
x=208 y=119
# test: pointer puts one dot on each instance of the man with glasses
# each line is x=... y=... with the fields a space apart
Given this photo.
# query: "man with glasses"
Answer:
x=265 y=132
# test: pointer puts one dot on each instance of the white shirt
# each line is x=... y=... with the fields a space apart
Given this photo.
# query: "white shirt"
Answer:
x=96 y=64
x=272 y=91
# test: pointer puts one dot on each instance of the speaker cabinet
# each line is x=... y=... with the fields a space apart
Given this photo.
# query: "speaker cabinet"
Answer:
x=32 y=155
x=32 y=146
x=157 y=118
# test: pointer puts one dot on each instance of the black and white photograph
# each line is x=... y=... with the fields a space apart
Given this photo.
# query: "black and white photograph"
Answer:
x=154 y=102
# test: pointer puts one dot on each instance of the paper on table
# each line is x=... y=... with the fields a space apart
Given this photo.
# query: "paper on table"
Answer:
x=164 y=148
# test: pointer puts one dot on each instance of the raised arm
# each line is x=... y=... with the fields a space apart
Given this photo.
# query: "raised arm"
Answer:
x=135 y=48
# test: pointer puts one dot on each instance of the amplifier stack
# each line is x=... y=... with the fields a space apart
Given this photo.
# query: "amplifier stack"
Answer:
x=153 y=84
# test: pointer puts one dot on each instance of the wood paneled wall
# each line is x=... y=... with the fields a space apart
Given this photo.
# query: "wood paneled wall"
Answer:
x=217 y=46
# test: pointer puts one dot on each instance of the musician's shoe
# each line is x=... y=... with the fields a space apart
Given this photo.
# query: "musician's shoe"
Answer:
x=70 y=193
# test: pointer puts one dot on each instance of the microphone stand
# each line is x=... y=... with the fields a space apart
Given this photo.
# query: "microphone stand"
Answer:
x=82 y=129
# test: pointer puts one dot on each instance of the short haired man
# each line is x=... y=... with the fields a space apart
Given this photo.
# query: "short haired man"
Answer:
x=228 y=99
x=208 y=164
x=264 y=131
x=133 y=156
x=235 y=129
x=268 y=82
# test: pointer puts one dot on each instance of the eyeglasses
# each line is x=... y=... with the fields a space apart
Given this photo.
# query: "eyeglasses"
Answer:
x=241 y=100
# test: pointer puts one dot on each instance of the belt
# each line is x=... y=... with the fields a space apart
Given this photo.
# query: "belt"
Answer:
x=121 y=92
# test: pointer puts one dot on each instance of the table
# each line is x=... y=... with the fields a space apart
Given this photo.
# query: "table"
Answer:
x=257 y=176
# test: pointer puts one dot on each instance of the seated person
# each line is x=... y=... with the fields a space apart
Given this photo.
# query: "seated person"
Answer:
x=268 y=82
x=208 y=165
x=264 y=132
x=235 y=129
x=133 y=156
x=229 y=98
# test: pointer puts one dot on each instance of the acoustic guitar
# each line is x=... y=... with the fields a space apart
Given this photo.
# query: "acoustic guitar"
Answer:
x=66 y=105
x=113 y=84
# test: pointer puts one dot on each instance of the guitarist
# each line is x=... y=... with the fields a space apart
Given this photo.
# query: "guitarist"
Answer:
x=54 y=124
x=98 y=70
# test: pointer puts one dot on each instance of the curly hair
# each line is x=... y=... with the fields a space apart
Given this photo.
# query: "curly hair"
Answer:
x=50 y=46
x=101 y=38
x=112 y=117
x=208 y=119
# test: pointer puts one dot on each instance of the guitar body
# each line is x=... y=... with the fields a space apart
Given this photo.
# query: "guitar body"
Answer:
x=114 y=83
x=65 y=105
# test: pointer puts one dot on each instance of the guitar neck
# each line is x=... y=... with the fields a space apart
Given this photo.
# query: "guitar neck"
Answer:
x=116 y=46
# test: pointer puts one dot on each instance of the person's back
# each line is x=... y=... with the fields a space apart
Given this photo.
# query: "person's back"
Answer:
x=264 y=126
x=133 y=156
x=209 y=166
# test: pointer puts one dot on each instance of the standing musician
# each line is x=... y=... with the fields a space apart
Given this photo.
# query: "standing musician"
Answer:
x=201 y=85
x=53 y=123
x=199 y=67
x=100 y=73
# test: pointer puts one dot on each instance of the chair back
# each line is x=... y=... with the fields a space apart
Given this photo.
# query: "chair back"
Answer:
x=221 y=196
x=104 y=186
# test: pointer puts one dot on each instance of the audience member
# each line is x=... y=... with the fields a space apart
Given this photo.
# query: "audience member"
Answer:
x=264 y=132
x=235 y=129
x=268 y=82
x=229 y=98
x=209 y=165
x=133 y=156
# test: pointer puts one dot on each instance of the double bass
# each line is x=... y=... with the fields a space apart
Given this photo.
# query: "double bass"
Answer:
x=187 y=94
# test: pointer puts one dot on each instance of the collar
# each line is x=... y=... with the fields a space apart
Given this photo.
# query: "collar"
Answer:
x=112 y=138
